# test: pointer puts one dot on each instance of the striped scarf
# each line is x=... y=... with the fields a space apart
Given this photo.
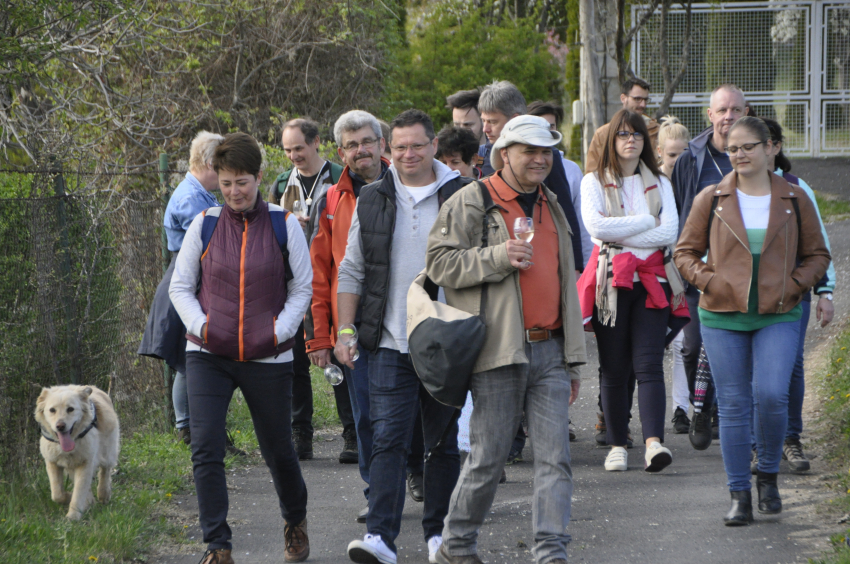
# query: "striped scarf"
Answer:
x=606 y=292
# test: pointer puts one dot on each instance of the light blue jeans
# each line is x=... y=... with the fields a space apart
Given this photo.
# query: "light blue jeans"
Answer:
x=752 y=375
x=180 y=399
x=542 y=389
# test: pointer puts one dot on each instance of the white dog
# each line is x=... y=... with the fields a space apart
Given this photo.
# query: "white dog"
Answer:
x=79 y=431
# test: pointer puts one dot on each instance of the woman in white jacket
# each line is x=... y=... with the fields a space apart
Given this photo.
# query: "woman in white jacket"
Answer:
x=630 y=283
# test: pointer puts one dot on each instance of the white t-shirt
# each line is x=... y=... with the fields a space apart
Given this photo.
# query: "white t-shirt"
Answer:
x=755 y=210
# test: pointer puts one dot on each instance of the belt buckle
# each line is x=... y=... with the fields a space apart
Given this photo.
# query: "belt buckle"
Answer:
x=529 y=339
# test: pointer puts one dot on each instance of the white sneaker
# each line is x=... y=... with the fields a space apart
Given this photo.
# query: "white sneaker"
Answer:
x=617 y=460
x=433 y=546
x=371 y=550
x=657 y=458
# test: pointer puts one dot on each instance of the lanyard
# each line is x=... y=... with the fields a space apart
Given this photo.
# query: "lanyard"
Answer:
x=309 y=199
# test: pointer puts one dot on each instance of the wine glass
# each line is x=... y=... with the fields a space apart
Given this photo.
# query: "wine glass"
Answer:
x=333 y=374
x=524 y=231
x=347 y=335
x=299 y=209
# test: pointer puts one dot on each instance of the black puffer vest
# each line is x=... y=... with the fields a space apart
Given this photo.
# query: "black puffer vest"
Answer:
x=376 y=210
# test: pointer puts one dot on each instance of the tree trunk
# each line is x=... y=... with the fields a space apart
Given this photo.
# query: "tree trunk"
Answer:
x=591 y=90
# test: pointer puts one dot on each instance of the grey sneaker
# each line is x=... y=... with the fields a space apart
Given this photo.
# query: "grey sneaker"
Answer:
x=792 y=451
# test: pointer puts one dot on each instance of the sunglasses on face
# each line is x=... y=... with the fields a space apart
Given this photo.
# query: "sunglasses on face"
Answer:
x=624 y=135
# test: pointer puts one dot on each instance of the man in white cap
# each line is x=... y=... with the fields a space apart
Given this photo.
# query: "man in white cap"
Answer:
x=534 y=335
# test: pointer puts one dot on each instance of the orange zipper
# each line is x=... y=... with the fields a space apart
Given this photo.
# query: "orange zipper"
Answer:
x=242 y=289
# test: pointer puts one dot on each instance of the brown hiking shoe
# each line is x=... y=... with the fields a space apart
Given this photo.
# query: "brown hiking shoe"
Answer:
x=297 y=543
x=216 y=556
x=443 y=557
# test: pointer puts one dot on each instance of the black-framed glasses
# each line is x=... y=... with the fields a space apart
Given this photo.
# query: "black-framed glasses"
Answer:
x=624 y=135
x=748 y=148
x=639 y=99
x=354 y=145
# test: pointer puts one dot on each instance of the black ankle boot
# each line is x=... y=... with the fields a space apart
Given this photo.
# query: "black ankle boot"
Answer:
x=741 y=512
x=769 y=501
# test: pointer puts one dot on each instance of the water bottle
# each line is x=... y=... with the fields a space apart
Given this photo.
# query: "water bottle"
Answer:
x=333 y=375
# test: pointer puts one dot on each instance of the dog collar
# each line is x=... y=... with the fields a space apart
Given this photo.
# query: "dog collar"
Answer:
x=85 y=432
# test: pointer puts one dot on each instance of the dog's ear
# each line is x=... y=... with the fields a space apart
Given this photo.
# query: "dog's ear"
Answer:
x=86 y=392
x=42 y=399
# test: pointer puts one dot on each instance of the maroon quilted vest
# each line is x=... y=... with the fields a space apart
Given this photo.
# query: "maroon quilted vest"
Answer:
x=243 y=286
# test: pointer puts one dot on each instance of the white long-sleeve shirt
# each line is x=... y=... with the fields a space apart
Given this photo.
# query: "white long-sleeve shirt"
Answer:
x=636 y=231
x=299 y=290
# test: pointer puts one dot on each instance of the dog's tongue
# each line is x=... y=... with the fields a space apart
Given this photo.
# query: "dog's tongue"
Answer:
x=66 y=442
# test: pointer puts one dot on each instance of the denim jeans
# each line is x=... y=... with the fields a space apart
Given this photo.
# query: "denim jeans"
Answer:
x=394 y=392
x=180 y=399
x=541 y=388
x=267 y=389
x=752 y=373
x=358 y=389
x=797 y=389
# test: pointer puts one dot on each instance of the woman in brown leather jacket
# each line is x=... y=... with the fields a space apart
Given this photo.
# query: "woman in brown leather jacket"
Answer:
x=765 y=249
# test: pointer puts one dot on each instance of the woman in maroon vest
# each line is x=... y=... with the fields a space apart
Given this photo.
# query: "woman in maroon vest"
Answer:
x=241 y=285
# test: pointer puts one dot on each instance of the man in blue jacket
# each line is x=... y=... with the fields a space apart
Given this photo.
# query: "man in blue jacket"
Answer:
x=704 y=163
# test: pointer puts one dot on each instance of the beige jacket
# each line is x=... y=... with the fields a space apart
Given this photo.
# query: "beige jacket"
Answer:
x=456 y=261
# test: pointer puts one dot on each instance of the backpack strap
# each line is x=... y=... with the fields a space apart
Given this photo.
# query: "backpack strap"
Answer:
x=211 y=216
x=336 y=172
x=278 y=217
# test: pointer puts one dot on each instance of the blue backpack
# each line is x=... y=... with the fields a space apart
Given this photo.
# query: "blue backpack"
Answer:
x=278 y=217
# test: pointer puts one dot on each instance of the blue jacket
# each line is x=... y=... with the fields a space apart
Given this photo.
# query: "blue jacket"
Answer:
x=685 y=177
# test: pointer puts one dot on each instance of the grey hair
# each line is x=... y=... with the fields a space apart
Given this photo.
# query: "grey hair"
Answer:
x=729 y=87
x=502 y=97
x=202 y=149
x=354 y=120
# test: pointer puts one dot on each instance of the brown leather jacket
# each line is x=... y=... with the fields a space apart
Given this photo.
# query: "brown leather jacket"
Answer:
x=790 y=263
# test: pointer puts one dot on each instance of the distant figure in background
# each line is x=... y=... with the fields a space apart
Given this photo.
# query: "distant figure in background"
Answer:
x=385 y=131
x=673 y=139
x=165 y=335
x=464 y=107
x=457 y=148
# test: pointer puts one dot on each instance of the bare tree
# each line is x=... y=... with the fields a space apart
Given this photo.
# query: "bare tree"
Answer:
x=671 y=80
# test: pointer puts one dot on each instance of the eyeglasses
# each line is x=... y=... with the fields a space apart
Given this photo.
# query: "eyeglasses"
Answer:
x=354 y=145
x=415 y=146
x=748 y=149
x=639 y=99
x=624 y=135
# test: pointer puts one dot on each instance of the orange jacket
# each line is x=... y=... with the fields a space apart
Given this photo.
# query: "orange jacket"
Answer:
x=326 y=253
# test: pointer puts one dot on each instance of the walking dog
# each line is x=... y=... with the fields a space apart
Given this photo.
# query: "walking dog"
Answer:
x=79 y=434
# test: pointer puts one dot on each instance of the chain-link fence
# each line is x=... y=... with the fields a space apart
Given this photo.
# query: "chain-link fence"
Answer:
x=78 y=271
x=790 y=57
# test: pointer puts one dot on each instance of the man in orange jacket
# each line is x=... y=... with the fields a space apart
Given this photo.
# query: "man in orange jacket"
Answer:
x=360 y=146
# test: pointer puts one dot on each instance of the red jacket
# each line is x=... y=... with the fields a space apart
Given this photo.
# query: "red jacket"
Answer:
x=326 y=253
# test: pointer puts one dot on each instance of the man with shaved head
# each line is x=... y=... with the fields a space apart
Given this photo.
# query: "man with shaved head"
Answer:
x=704 y=163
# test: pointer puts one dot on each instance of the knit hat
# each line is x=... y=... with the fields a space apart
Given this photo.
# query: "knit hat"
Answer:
x=527 y=130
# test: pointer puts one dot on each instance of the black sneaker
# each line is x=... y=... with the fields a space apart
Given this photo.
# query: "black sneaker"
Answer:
x=184 y=434
x=715 y=424
x=681 y=423
x=792 y=451
x=601 y=430
x=699 y=433
x=303 y=444
x=572 y=431
x=349 y=451
x=416 y=487
x=514 y=456
x=754 y=463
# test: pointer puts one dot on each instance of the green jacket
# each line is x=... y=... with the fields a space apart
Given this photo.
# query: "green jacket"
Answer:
x=456 y=261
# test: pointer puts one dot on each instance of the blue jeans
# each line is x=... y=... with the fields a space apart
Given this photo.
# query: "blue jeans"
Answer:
x=798 y=383
x=394 y=393
x=541 y=388
x=180 y=399
x=358 y=390
x=752 y=373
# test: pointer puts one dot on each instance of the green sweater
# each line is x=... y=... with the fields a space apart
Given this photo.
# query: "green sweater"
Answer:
x=752 y=320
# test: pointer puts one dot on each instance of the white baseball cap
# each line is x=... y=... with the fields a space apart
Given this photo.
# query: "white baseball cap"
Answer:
x=527 y=130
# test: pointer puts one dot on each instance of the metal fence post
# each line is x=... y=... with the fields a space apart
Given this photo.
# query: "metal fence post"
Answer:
x=165 y=194
x=66 y=284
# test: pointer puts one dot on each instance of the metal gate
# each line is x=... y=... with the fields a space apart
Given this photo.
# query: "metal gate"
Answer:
x=791 y=58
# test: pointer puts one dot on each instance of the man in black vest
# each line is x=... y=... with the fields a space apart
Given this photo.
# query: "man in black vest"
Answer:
x=385 y=252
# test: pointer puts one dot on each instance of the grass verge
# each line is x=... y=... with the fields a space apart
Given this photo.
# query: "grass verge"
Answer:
x=835 y=389
x=832 y=208
x=152 y=467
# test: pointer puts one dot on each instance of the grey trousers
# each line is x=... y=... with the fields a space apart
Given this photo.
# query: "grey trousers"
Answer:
x=542 y=389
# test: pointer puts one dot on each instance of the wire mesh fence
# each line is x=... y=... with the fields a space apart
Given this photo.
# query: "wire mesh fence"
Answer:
x=78 y=271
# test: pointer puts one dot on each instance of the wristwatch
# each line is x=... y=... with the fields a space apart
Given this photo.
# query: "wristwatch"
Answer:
x=827 y=295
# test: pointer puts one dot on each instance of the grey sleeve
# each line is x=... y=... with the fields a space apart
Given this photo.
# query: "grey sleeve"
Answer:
x=352 y=269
